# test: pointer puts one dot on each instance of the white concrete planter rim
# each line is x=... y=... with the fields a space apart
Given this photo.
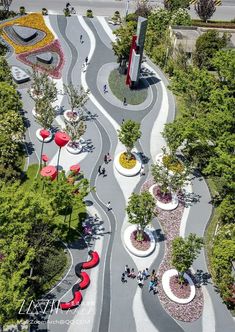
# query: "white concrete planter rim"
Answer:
x=67 y=118
x=165 y=206
x=124 y=171
x=74 y=150
x=39 y=137
x=140 y=253
x=166 y=287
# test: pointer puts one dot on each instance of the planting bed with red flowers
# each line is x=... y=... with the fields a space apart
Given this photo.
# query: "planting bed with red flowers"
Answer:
x=53 y=71
x=140 y=245
x=161 y=196
x=170 y=223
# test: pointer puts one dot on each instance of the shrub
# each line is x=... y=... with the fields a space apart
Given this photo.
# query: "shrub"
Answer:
x=4 y=14
x=132 y=17
x=181 y=17
x=125 y=162
x=22 y=10
x=89 y=13
x=66 y=12
x=3 y=49
x=44 y=11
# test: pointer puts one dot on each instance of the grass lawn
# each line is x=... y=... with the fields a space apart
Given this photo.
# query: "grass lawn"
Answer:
x=30 y=175
x=117 y=83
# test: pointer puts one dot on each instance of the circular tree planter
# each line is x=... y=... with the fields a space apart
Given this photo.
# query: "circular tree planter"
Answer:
x=127 y=171
x=39 y=137
x=172 y=205
x=167 y=289
x=71 y=116
x=75 y=148
x=34 y=95
x=133 y=250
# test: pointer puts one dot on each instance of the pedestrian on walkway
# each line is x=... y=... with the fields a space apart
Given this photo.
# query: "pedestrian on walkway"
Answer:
x=67 y=5
x=141 y=282
x=132 y=274
x=123 y=121
x=99 y=170
x=147 y=272
x=151 y=285
x=126 y=269
x=103 y=172
x=123 y=278
x=105 y=159
x=124 y=101
x=86 y=60
x=81 y=41
x=105 y=88
x=108 y=157
x=142 y=171
x=139 y=275
x=109 y=206
x=144 y=275
x=96 y=218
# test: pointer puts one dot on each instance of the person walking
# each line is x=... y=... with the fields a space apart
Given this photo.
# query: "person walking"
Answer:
x=109 y=206
x=141 y=282
x=144 y=274
x=124 y=101
x=86 y=60
x=139 y=275
x=132 y=274
x=99 y=170
x=105 y=159
x=81 y=39
x=103 y=172
x=147 y=272
x=123 y=278
x=105 y=88
x=126 y=269
x=108 y=157
x=142 y=171
x=151 y=285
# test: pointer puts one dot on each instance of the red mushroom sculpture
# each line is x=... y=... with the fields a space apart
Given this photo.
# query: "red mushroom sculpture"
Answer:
x=44 y=134
x=61 y=139
x=49 y=172
x=75 y=168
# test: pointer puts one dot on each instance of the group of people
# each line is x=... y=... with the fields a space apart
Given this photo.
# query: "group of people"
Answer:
x=107 y=159
x=141 y=277
x=71 y=9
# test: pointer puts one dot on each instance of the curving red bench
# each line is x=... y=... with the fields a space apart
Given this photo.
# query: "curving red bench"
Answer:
x=77 y=296
x=73 y=303
x=93 y=261
x=85 y=280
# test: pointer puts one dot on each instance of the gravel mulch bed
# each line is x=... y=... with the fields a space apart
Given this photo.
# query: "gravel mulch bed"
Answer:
x=140 y=245
x=170 y=223
x=181 y=291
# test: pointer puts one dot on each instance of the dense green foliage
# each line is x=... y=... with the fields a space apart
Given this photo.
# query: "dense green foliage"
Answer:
x=184 y=252
x=140 y=211
x=129 y=134
x=206 y=46
x=205 y=134
x=176 y=4
x=11 y=126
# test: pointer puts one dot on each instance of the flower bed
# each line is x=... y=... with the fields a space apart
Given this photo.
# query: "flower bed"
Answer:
x=172 y=164
x=162 y=197
x=140 y=245
x=182 y=291
x=52 y=47
x=170 y=223
x=35 y=21
x=127 y=163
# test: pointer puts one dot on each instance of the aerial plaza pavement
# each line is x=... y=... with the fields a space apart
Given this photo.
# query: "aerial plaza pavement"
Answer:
x=91 y=295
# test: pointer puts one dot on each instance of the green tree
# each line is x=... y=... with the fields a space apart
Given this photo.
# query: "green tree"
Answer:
x=75 y=130
x=129 y=134
x=184 y=252
x=176 y=4
x=5 y=72
x=122 y=45
x=9 y=98
x=143 y=8
x=181 y=17
x=6 y=4
x=140 y=211
x=45 y=113
x=77 y=98
x=205 y=9
x=206 y=47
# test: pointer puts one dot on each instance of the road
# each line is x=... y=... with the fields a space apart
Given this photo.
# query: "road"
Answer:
x=107 y=7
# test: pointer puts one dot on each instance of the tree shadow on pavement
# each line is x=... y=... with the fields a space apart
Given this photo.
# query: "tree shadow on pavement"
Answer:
x=158 y=235
x=202 y=278
x=188 y=199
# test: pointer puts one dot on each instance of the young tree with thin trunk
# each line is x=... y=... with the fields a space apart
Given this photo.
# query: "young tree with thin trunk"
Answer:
x=75 y=130
x=205 y=9
x=176 y=4
x=184 y=252
x=6 y=4
x=77 y=98
x=140 y=211
x=128 y=135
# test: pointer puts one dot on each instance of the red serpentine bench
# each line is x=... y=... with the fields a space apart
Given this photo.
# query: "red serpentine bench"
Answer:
x=85 y=280
x=93 y=261
x=73 y=303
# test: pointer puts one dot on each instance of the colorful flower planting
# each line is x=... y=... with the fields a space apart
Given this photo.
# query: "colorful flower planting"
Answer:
x=170 y=223
x=35 y=21
x=161 y=196
x=172 y=163
x=125 y=162
x=52 y=47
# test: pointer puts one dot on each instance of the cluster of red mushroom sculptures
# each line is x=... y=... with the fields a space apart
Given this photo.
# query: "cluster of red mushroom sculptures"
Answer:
x=61 y=139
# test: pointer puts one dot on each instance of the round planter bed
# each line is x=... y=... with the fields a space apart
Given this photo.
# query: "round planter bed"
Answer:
x=68 y=116
x=127 y=171
x=76 y=149
x=167 y=284
x=128 y=233
x=39 y=137
x=168 y=206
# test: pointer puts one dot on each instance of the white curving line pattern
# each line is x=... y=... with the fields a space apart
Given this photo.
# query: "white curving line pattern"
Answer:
x=83 y=74
x=106 y=28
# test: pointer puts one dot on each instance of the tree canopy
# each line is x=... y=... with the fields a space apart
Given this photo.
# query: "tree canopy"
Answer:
x=205 y=9
x=129 y=134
